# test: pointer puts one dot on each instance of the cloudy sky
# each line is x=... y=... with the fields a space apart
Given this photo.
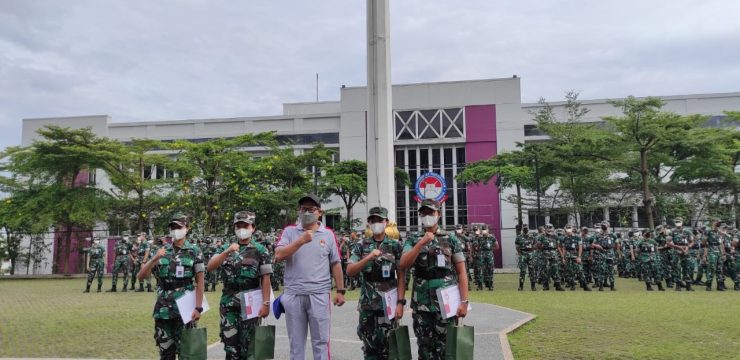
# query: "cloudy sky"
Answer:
x=158 y=60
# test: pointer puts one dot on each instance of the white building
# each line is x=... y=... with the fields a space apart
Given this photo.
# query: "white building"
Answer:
x=439 y=127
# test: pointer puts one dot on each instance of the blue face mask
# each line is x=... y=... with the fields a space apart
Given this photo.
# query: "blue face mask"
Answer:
x=308 y=218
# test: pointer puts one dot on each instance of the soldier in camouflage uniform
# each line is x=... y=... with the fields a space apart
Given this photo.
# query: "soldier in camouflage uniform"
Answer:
x=714 y=251
x=550 y=259
x=121 y=263
x=344 y=253
x=209 y=249
x=627 y=248
x=95 y=264
x=245 y=266
x=680 y=242
x=487 y=244
x=178 y=267
x=438 y=262
x=650 y=262
x=603 y=251
x=697 y=252
x=376 y=261
x=586 y=258
x=571 y=249
x=140 y=253
x=467 y=250
x=477 y=258
x=661 y=237
x=525 y=244
x=728 y=267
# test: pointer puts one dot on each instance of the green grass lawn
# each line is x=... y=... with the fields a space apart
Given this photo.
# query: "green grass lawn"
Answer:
x=53 y=318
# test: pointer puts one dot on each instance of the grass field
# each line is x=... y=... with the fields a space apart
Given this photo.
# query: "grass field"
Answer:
x=52 y=318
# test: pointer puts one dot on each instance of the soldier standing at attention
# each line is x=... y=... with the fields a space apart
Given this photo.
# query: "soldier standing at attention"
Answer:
x=376 y=259
x=178 y=267
x=245 y=266
x=465 y=243
x=488 y=244
x=121 y=263
x=477 y=258
x=603 y=250
x=344 y=254
x=661 y=237
x=525 y=257
x=586 y=258
x=438 y=262
x=680 y=243
x=650 y=262
x=141 y=256
x=572 y=251
x=95 y=264
x=550 y=258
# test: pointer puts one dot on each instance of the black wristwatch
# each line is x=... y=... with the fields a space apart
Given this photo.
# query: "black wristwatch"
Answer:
x=200 y=310
x=341 y=291
x=402 y=302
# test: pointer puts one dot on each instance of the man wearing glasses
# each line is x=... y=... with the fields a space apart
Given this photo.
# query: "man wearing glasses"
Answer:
x=309 y=248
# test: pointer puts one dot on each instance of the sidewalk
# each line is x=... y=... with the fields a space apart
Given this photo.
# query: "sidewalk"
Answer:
x=491 y=323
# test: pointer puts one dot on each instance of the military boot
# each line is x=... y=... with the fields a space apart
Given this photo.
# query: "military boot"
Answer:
x=648 y=287
x=660 y=286
x=533 y=287
x=688 y=286
x=546 y=286
x=709 y=286
x=213 y=287
x=133 y=286
x=611 y=286
x=585 y=287
x=678 y=286
x=99 y=286
x=721 y=286
x=112 y=289
x=521 y=285
x=737 y=287
x=125 y=288
x=601 y=285
x=87 y=289
x=149 y=288
x=558 y=287
x=141 y=288
x=205 y=288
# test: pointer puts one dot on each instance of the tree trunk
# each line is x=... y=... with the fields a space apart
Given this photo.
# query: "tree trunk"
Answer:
x=647 y=199
x=519 y=204
x=67 y=247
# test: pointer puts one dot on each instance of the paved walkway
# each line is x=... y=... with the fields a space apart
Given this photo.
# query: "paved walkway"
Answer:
x=491 y=323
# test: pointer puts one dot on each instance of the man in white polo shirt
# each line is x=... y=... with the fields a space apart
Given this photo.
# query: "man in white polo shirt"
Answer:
x=310 y=251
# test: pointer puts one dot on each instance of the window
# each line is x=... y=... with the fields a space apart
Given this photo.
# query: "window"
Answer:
x=429 y=124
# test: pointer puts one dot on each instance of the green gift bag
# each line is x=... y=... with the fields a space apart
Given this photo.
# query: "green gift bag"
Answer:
x=193 y=344
x=399 y=344
x=460 y=342
x=262 y=344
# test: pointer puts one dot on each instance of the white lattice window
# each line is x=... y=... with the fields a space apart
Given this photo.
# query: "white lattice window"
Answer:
x=429 y=124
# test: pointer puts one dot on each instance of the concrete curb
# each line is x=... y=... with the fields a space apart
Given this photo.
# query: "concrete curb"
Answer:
x=503 y=335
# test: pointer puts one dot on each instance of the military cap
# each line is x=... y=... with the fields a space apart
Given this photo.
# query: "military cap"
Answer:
x=604 y=223
x=569 y=226
x=584 y=229
x=378 y=211
x=244 y=216
x=678 y=219
x=458 y=227
x=429 y=203
x=549 y=226
x=310 y=197
x=723 y=225
x=179 y=218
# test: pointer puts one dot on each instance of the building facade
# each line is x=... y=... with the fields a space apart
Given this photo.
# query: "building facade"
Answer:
x=438 y=128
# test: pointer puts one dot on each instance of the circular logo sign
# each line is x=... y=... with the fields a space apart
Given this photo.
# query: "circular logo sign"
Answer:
x=431 y=186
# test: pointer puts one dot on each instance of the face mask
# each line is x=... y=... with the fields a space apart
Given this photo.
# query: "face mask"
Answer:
x=428 y=221
x=459 y=232
x=243 y=234
x=178 y=234
x=485 y=232
x=377 y=228
x=477 y=232
x=568 y=231
x=308 y=218
x=96 y=242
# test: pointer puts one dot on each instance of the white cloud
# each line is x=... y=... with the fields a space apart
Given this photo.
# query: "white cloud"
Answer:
x=144 y=60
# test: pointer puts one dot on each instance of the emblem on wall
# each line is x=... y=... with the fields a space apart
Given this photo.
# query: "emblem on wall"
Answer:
x=430 y=186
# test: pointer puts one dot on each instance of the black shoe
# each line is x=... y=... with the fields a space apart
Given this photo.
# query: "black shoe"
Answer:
x=709 y=288
x=660 y=287
x=521 y=285
x=533 y=287
x=133 y=287
x=149 y=288
x=558 y=287
x=648 y=287
x=113 y=289
x=546 y=287
x=737 y=287
x=213 y=288
x=611 y=286
x=125 y=289
x=87 y=289
x=698 y=282
x=99 y=286
x=678 y=287
x=720 y=287
x=140 y=289
x=669 y=285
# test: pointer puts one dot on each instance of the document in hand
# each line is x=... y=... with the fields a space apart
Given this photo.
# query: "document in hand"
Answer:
x=251 y=302
x=449 y=301
x=186 y=305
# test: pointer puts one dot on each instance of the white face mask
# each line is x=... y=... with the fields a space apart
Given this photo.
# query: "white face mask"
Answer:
x=243 y=233
x=377 y=228
x=485 y=232
x=428 y=221
x=458 y=232
x=96 y=242
x=178 y=234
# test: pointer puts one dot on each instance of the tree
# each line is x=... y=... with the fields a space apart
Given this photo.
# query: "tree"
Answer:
x=347 y=180
x=55 y=169
x=645 y=136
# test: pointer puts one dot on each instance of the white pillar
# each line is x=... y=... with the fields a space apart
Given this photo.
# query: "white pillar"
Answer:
x=380 y=181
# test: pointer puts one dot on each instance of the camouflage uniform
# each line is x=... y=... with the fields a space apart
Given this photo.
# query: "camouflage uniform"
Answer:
x=665 y=256
x=167 y=322
x=139 y=251
x=696 y=251
x=650 y=263
x=586 y=258
x=429 y=326
x=241 y=271
x=525 y=259
x=344 y=249
x=209 y=249
x=549 y=261
x=484 y=245
x=729 y=266
x=97 y=265
x=121 y=264
x=604 y=259
x=374 y=325
x=626 y=247
x=681 y=264
x=572 y=245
